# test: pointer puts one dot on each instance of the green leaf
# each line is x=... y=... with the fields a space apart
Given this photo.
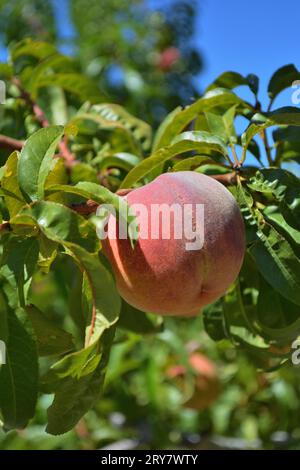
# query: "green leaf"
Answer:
x=212 y=168
x=106 y=300
x=140 y=129
x=4 y=332
x=77 y=378
x=288 y=115
x=162 y=131
x=273 y=254
x=75 y=303
x=19 y=376
x=275 y=218
x=6 y=71
x=35 y=161
x=223 y=125
x=228 y=80
x=200 y=141
x=77 y=381
x=136 y=321
x=51 y=340
x=287 y=143
x=123 y=160
x=81 y=172
x=54 y=62
x=238 y=326
x=14 y=198
x=219 y=97
x=18 y=263
x=28 y=47
x=48 y=253
x=113 y=116
x=57 y=175
x=241 y=327
x=213 y=321
x=277 y=262
x=277 y=318
x=20 y=255
x=231 y=80
x=74 y=83
x=191 y=163
x=281 y=79
x=60 y=224
x=100 y=195
x=58 y=107
x=253 y=82
x=252 y=130
x=284 y=187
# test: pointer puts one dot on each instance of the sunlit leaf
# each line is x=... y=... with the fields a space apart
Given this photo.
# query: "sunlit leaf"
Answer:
x=19 y=376
x=35 y=161
x=202 y=142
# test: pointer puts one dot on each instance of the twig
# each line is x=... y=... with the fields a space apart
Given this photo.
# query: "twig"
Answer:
x=124 y=192
x=4 y=227
x=38 y=112
x=10 y=143
x=270 y=105
x=69 y=157
x=236 y=160
x=264 y=137
x=227 y=179
x=85 y=208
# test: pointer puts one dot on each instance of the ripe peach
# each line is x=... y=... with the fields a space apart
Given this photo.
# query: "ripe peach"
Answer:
x=161 y=275
x=206 y=381
x=168 y=58
x=207 y=385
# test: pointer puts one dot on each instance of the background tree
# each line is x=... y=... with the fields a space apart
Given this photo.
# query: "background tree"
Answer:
x=142 y=57
x=22 y=18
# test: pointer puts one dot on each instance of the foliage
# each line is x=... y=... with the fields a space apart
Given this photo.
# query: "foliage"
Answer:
x=61 y=315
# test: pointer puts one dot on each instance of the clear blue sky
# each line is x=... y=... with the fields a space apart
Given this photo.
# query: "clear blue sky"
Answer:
x=256 y=36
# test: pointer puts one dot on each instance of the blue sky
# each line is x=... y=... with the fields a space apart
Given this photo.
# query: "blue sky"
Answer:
x=258 y=36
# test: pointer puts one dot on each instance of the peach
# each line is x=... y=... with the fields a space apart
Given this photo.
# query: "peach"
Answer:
x=206 y=381
x=161 y=275
x=168 y=58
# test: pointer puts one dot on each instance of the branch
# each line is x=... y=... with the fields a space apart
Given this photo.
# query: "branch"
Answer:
x=69 y=157
x=4 y=227
x=10 y=143
x=236 y=160
x=65 y=152
x=227 y=179
x=38 y=112
x=85 y=208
